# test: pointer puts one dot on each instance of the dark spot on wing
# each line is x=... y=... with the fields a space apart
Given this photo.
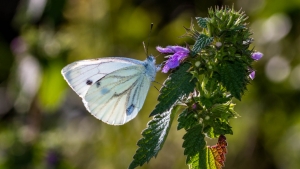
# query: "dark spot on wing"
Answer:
x=89 y=82
x=98 y=84
x=130 y=109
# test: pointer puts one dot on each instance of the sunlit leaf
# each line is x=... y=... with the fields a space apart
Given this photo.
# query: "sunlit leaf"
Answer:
x=217 y=153
x=201 y=42
x=154 y=137
x=186 y=120
x=234 y=77
x=178 y=84
x=201 y=22
x=194 y=147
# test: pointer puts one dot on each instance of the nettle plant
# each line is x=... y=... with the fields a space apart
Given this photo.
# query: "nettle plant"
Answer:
x=205 y=78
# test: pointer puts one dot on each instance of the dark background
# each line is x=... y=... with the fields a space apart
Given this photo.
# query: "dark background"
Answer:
x=43 y=123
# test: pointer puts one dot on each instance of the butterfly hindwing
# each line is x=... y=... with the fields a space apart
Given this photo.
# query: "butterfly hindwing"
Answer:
x=117 y=97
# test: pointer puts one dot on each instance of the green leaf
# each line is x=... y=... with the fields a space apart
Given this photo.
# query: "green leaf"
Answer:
x=201 y=42
x=202 y=22
x=200 y=156
x=195 y=148
x=154 y=137
x=215 y=127
x=211 y=161
x=211 y=85
x=221 y=98
x=178 y=84
x=216 y=121
x=187 y=119
x=216 y=153
x=225 y=111
x=234 y=76
x=206 y=102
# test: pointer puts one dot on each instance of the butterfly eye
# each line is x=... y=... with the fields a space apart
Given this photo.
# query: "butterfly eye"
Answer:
x=89 y=82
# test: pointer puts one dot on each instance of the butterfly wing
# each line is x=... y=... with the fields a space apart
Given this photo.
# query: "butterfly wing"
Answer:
x=81 y=75
x=118 y=97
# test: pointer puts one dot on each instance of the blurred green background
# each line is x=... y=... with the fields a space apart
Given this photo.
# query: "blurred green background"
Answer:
x=43 y=123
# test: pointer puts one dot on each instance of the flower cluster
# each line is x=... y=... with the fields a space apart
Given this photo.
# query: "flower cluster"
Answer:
x=178 y=54
x=255 y=56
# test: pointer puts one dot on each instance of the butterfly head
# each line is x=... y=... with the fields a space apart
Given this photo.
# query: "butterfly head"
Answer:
x=151 y=58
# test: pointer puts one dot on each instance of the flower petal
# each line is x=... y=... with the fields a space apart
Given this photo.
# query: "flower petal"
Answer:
x=256 y=55
x=180 y=55
x=179 y=49
x=252 y=75
x=173 y=62
x=164 y=50
x=165 y=69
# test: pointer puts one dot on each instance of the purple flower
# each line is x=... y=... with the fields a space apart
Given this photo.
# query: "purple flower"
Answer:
x=179 y=53
x=252 y=75
x=52 y=159
x=172 y=49
x=256 y=55
x=18 y=45
x=164 y=50
x=194 y=106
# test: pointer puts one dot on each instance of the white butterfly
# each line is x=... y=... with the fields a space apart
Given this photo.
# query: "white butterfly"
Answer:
x=112 y=89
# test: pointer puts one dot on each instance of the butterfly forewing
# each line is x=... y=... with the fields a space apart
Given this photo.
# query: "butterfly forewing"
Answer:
x=82 y=74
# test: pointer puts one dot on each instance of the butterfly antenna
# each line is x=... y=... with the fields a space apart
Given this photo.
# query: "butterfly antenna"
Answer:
x=156 y=88
x=147 y=45
x=158 y=83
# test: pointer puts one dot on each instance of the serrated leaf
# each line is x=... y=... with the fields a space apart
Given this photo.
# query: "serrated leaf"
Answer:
x=225 y=111
x=201 y=42
x=154 y=137
x=194 y=145
x=207 y=102
x=215 y=127
x=216 y=153
x=211 y=85
x=187 y=120
x=198 y=155
x=178 y=84
x=209 y=131
x=234 y=77
x=221 y=99
x=202 y=22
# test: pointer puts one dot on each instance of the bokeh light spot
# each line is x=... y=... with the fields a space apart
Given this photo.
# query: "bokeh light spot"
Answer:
x=295 y=77
x=277 y=69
